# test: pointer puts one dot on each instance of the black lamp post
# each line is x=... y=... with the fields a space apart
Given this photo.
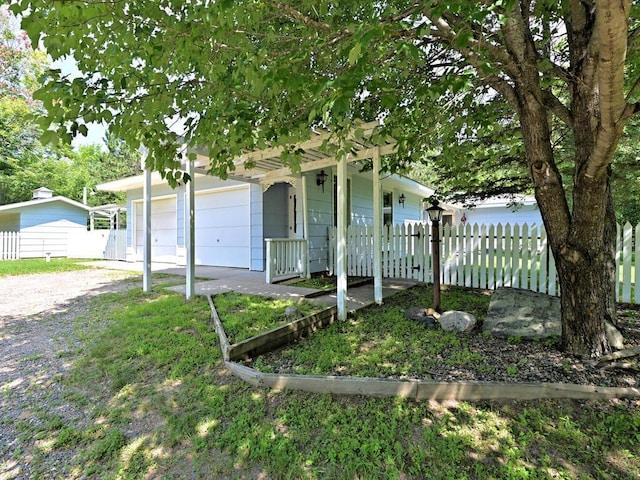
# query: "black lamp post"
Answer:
x=435 y=215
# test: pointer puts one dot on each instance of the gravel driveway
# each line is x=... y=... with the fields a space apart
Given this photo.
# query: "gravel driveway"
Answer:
x=37 y=314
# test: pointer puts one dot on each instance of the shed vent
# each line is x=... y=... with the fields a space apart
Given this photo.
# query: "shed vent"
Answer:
x=42 y=193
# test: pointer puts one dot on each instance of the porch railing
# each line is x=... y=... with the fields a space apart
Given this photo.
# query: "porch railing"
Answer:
x=286 y=258
x=9 y=245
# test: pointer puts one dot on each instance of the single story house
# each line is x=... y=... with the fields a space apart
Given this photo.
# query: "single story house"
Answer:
x=44 y=223
x=235 y=217
x=234 y=222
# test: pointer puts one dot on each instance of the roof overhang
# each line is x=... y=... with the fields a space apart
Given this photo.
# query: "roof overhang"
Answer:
x=130 y=183
x=22 y=205
x=266 y=166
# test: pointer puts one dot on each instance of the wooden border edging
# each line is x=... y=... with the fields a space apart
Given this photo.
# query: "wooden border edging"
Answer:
x=283 y=335
x=412 y=389
x=224 y=341
x=425 y=390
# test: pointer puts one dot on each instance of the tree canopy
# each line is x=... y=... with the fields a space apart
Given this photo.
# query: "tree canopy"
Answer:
x=489 y=92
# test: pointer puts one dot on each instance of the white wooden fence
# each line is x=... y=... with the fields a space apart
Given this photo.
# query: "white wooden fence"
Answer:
x=286 y=257
x=479 y=256
x=9 y=245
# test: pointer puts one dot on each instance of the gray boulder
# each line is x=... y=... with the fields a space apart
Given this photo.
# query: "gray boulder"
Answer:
x=457 y=321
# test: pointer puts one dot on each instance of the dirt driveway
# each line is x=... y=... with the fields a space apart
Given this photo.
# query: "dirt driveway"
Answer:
x=37 y=315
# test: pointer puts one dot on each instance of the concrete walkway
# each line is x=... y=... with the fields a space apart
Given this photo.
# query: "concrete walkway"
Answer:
x=214 y=280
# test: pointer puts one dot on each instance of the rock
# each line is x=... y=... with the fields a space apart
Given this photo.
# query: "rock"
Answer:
x=616 y=340
x=291 y=312
x=457 y=321
x=521 y=313
x=423 y=315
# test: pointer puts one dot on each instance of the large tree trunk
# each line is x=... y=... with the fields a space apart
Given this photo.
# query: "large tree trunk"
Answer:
x=582 y=231
x=587 y=286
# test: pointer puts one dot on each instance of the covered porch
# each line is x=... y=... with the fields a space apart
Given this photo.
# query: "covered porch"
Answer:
x=266 y=170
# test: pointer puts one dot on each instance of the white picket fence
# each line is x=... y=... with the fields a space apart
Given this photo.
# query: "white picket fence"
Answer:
x=478 y=256
x=9 y=245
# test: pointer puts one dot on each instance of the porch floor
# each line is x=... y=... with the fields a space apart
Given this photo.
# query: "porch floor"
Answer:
x=239 y=280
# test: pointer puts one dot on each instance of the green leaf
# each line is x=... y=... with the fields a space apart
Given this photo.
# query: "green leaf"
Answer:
x=354 y=53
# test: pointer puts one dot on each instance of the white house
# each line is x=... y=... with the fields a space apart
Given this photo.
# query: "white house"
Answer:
x=45 y=223
x=520 y=209
x=214 y=222
x=233 y=218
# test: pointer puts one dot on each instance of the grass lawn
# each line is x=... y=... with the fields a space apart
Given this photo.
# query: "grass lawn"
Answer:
x=156 y=402
x=39 y=265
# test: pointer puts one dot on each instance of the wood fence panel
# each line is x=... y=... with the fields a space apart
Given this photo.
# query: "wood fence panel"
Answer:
x=551 y=273
x=524 y=255
x=9 y=245
x=483 y=256
x=535 y=259
x=636 y=293
x=478 y=256
x=627 y=239
x=468 y=249
x=515 y=256
x=445 y=251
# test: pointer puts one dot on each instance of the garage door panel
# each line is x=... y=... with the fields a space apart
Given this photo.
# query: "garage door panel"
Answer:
x=222 y=234
x=223 y=257
x=163 y=230
x=229 y=236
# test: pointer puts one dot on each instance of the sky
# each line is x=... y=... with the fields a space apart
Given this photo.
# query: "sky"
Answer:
x=96 y=131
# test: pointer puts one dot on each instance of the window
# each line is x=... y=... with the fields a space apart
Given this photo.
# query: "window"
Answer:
x=387 y=208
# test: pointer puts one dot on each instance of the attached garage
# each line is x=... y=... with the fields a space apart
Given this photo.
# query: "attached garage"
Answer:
x=164 y=233
x=222 y=230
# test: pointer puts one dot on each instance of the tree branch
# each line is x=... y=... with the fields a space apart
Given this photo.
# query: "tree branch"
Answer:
x=292 y=12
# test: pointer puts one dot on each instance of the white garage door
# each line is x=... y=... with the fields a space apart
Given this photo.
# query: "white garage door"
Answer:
x=163 y=230
x=222 y=228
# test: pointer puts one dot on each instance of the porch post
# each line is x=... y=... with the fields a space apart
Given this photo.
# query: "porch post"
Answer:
x=190 y=242
x=341 y=239
x=377 y=229
x=305 y=222
x=146 y=220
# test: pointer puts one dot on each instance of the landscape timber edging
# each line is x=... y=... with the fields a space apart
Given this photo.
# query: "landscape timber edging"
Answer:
x=282 y=335
x=412 y=389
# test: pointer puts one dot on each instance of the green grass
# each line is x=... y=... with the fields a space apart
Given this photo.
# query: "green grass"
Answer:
x=246 y=316
x=380 y=341
x=323 y=282
x=156 y=402
x=39 y=265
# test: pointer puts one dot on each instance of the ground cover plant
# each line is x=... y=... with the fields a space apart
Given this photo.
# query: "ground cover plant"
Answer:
x=245 y=316
x=327 y=282
x=39 y=265
x=153 y=400
x=383 y=342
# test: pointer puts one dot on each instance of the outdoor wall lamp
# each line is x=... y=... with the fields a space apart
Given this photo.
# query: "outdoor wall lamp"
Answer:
x=435 y=215
x=321 y=177
x=401 y=199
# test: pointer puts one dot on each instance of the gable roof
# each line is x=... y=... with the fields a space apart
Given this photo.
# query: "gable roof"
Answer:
x=12 y=207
